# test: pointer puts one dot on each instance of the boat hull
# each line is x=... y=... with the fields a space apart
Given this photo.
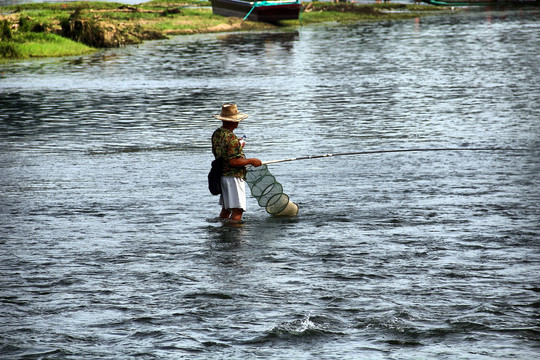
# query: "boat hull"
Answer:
x=263 y=13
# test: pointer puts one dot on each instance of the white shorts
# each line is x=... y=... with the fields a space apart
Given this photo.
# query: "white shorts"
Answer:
x=233 y=193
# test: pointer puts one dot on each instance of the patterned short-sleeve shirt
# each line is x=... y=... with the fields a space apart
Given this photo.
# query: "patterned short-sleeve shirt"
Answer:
x=226 y=144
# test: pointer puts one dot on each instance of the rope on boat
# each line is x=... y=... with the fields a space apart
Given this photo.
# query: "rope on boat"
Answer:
x=268 y=3
x=254 y=6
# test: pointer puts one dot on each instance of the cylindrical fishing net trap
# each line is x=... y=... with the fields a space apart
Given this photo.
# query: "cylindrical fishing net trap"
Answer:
x=269 y=192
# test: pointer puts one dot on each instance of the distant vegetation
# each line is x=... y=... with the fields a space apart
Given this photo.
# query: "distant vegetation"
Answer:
x=64 y=29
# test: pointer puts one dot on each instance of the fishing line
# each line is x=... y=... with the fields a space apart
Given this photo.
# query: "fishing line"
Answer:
x=269 y=192
x=389 y=151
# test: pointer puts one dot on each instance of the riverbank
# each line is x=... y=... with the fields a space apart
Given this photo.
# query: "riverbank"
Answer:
x=67 y=29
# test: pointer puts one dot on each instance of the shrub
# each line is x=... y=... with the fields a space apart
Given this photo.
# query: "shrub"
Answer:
x=5 y=31
x=90 y=32
x=8 y=51
x=27 y=24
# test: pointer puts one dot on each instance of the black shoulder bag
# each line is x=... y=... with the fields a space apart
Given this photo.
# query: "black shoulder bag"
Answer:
x=214 y=176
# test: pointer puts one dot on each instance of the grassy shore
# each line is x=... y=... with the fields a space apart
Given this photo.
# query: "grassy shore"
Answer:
x=65 y=29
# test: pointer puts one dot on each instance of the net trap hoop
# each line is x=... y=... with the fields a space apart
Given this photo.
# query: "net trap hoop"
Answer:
x=269 y=192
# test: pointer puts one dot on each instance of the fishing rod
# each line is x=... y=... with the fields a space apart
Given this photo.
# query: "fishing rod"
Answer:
x=387 y=151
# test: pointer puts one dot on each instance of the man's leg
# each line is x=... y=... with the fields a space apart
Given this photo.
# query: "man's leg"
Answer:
x=225 y=213
x=233 y=198
x=236 y=214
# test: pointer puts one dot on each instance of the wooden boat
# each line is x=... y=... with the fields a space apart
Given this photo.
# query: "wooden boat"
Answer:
x=264 y=11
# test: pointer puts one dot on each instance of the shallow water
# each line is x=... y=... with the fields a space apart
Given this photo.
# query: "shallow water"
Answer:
x=110 y=243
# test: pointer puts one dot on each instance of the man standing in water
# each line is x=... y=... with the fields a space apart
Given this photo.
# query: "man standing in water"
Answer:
x=227 y=145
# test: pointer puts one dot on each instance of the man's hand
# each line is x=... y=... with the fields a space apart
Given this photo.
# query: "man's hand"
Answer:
x=255 y=162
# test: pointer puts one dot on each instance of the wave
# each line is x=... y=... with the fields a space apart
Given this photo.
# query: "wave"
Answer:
x=122 y=149
x=209 y=295
x=16 y=352
x=306 y=328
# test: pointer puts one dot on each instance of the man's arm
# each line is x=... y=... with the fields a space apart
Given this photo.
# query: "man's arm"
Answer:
x=240 y=162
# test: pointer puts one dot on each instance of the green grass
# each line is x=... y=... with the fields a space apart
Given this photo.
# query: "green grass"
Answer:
x=28 y=45
x=173 y=3
x=70 y=6
x=124 y=16
x=321 y=12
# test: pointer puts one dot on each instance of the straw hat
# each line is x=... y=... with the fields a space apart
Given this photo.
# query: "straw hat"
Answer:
x=229 y=112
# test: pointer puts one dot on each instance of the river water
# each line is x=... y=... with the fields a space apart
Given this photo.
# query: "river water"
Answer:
x=110 y=243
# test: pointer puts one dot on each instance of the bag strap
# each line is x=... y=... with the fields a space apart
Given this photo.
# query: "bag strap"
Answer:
x=213 y=149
